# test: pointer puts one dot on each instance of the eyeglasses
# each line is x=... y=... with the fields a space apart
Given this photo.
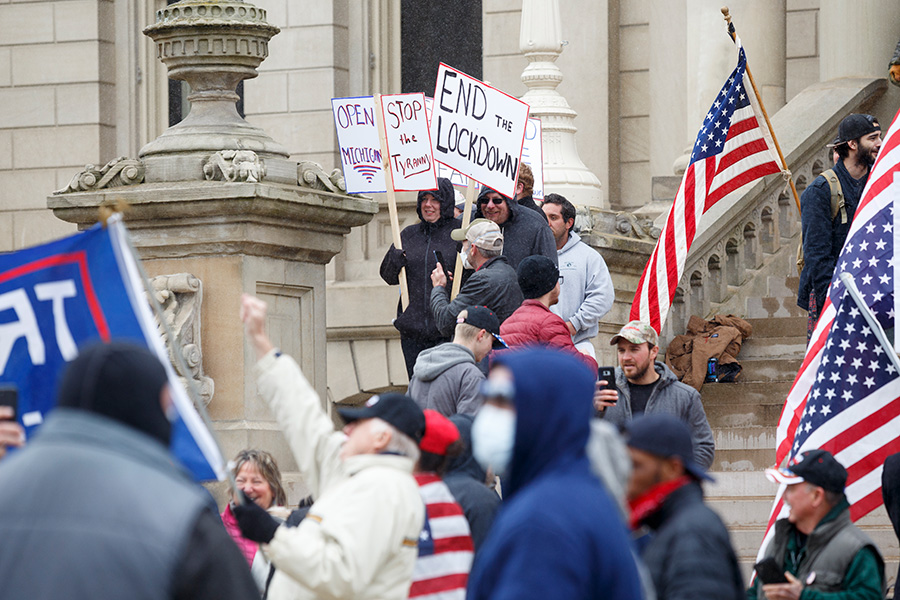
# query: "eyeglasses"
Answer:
x=495 y=201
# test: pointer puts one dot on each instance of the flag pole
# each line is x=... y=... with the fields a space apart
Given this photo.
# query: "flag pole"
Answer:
x=726 y=14
x=191 y=386
x=870 y=318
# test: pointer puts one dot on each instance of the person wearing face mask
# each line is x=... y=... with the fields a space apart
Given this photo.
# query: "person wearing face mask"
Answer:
x=95 y=505
x=420 y=241
x=558 y=534
x=493 y=284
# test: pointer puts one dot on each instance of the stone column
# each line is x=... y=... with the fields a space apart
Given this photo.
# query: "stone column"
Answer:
x=540 y=40
x=857 y=39
x=219 y=200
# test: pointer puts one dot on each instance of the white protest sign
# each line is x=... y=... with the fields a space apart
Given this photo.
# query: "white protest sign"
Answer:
x=354 y=119
x=455 y=177
x=533 y=155
x=478 y=130
x=408 y=142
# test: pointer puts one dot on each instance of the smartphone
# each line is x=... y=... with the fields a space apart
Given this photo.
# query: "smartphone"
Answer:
x=608 y=374
x=768 y=571
x=439 y=257
x=9 y=396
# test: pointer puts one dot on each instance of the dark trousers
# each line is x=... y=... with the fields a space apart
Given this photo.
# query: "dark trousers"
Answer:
x=411 y=347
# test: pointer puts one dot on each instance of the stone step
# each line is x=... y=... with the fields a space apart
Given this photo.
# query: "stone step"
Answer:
x=739 y=415
x=772 y=347
x=768 y=369
x=779 y=327
x=751 y=392
x=754 y=512
x=728 y=460
x=746 y=541
x=773 y=306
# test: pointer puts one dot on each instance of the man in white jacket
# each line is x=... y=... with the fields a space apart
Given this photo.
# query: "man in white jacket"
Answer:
x=586 y=291
x=359 y=539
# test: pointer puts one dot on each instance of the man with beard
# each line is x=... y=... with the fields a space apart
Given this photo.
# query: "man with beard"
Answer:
x=824 y=231
x=646 y=386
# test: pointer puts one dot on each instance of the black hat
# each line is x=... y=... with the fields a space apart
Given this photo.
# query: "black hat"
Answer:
x=817 y=467
x=665 y=436
x=484 y=318
x=537 y=275
x=399 y=410
x=854 y=127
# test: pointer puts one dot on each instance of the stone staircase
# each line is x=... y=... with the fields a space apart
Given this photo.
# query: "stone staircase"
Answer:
x=744 y=416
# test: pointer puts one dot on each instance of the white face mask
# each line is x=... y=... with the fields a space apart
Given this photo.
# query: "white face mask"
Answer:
x=465 y=261
x=493 y=436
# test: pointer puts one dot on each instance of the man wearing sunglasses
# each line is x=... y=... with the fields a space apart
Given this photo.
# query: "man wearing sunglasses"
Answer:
x=525 y=232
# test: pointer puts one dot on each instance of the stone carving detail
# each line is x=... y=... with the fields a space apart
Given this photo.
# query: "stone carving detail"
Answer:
x=234 y=165
x=180 y=296
x=631 y=225
x=312 y=175
x=117 y=172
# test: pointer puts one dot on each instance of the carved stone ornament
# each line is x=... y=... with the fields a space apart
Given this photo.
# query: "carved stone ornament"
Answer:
x=234 y=165
x=312 y=175
x=180 y=297
x=117 y=172
x=630 y=225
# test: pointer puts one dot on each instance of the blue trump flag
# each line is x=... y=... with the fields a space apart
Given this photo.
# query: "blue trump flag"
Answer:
x=60 y=296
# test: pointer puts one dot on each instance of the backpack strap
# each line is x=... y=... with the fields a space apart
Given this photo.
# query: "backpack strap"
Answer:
x=837 y=195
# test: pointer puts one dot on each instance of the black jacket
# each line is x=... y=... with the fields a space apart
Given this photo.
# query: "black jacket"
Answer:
x=528 y=202
x=823 y=237
x=525 y=233
x=890 y=490
x=690 y=554
x=419 y=242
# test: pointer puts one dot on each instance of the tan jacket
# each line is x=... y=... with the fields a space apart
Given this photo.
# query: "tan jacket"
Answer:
x=687 y=355
x=359 y=539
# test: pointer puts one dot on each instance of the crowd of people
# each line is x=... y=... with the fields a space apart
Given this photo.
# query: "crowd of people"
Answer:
x=509 y=469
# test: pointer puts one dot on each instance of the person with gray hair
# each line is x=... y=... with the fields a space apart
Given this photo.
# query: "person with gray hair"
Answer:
x=360 y=536
x=493 y=284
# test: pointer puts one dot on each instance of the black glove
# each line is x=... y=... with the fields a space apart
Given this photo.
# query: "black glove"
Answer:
x=255 y=523
x=396 y=258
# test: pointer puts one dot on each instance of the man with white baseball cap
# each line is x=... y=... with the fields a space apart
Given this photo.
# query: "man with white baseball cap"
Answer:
x=822 y=553
x=493 y=284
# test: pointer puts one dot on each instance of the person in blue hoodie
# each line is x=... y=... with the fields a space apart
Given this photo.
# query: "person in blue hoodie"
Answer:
x=557 y=534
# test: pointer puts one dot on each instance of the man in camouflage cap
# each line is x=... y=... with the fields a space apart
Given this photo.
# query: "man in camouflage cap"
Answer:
x=645 y=386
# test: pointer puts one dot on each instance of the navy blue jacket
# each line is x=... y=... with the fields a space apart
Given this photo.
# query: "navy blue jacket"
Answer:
x=823 y=237
x=558 y=534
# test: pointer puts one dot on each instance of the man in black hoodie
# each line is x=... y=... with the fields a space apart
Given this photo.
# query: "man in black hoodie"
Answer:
x=416 y=324
x=525 y=232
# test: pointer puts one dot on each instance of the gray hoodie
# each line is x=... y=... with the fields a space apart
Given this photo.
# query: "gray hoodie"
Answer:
x=586 y=293
x=446 y=379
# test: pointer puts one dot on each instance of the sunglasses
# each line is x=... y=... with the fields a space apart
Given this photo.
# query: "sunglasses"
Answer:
x=495 y=201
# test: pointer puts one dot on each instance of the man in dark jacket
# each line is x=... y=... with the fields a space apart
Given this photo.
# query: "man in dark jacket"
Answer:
x=493 y=284
x=646 y=386
x=466 y=480
x=890 y=493
x=436 y=221
x=558 y=533
x=525 y=232
x=95 y=506
x=821 y=552
x=524 y=188
x=857 y=144
x=689 y=553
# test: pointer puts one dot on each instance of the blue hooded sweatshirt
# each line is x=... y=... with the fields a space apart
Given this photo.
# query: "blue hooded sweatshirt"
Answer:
x=558 y=534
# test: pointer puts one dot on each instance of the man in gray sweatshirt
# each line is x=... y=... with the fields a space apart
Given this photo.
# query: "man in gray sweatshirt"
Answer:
x=586 y=290
x=446 y=378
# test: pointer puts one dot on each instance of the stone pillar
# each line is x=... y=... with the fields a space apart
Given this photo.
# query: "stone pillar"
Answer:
x=857 y=39
x=219 y=200
x=540 y=40
x=711 y=55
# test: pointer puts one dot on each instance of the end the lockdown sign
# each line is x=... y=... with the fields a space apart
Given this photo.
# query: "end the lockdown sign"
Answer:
x=478 y=130
x=354 y=120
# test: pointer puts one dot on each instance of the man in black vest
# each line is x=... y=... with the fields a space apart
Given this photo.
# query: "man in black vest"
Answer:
x=95 y=507
x=817 y=546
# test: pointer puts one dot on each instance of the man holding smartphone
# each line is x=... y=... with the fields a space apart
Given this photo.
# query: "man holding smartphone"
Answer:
x=646 y=386
x=11 y=433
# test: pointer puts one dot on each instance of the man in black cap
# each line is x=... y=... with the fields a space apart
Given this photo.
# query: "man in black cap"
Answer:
x=689 y=554
x=446 y=378
x=821 y=552
x=824 y=223
x=533 y=323
x=359 y=538
x=95 y=506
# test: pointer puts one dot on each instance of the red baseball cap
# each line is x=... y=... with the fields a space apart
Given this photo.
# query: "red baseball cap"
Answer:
x=439 y=433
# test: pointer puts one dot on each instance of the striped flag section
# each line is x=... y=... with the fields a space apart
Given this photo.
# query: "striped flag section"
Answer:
x=445 y=544
x=732 y=150
x=846 y=396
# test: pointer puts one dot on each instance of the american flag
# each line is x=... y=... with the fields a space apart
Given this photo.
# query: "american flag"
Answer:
x=731 y=150
x=846 y=396
x=445 y=544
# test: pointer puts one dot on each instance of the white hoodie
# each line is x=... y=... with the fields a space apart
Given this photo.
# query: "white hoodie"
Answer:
x=586 y=293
